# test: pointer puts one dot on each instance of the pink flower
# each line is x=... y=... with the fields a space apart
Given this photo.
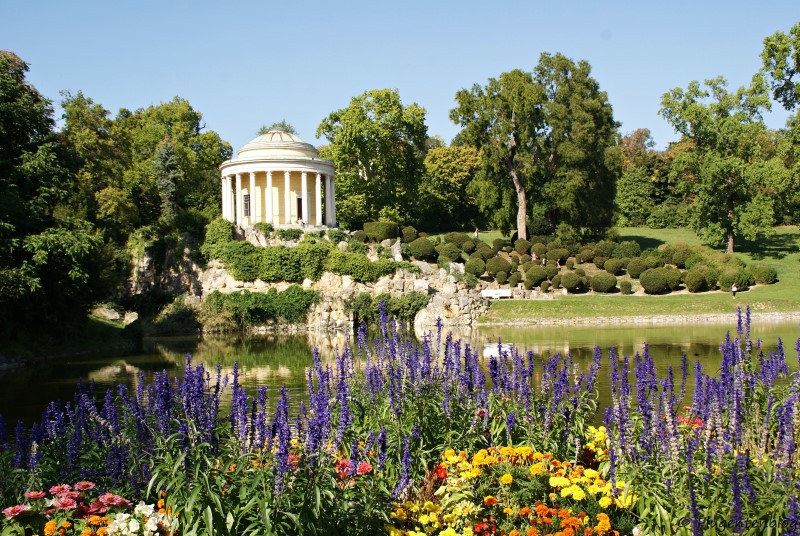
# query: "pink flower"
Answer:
x=61 y=488
x=96 y=508
x=109 y=499
x=13 y=511
x=84 y=485
x=363 y=468
x=70 y=495
x=65 y=503
x=343 y=468
x=34 y=494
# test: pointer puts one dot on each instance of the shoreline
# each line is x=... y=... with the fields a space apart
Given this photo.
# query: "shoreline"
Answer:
x=715 y=318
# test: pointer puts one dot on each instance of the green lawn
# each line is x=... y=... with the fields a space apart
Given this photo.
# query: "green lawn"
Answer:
x=780 y=250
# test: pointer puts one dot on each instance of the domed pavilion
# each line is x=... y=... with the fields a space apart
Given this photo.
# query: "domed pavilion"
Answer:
x=280 y=179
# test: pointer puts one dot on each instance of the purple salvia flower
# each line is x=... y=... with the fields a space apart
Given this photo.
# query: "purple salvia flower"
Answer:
x=405 y=471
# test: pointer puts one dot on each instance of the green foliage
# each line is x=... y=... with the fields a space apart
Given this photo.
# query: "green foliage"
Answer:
x=625 y=287
x=742 y=278
x=409 y=234
x=336 y=235
x=763 y=274
x=501 y=277
x=695 y=281
x=603 y=282
x=545 y=286
x=404 y=308
x=422 y=249
x=571 y=281
x=536 y=275
x=456 y=238
x=444 y=195
x=450 y=252
x=556 y=281
x=378 y=231
x=668 y=215
x=514 y=279
x=600 y=262
x=633 y=199
x=249 y=309
x=604 y=248
x=360 y=236
x=497 y=244
x=636 y=266
x=289 y=235
x=278 y=125
x=361 y=269
x=522 y=246
x=475 y=266
x=218 y=231
x=613 y=266
x=570 y=264
x=587 y=254
x=356 y=246
x=673 y=277
x=654 y=281
x=710 y=273
x=680 y=256
x=551 y=269
x=265 y=228
x=627 y=248
x=468 y=246
x=539 y=249
x=558 y=254
x=581 y=272
x=497 y=264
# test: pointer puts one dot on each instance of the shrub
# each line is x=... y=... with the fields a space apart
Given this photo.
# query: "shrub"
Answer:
x=219 y=231
x=625 y=287
x=545 y=286
x=613 y=266
x=730 y=276
x=536 y=275
x=336 y=235
x=357 y=247
x=497 y=264
x=581 y=272
x=551 y=270
x=514 y=260
x=408 y=305
x=558 y=254
x=289 y=235
x=242 y=260
x=695 y=281
x=578 y=259
x=540 y=249
x=527 y=284
x=522 y=246
x=556 y=281
x=450 y=252
x=497 y=244
x=265 y=228
x=603 y=282
x=360 y=235
x=605 y=248
x=409 y=234
x=422 y=249
x=710 y=273
x=674 y=278
x=475 y=266
x=636 y=266
x=587 y=254
x=456 y=238
x=468 y=246
x=570 y=264
x=571 y=281
x=378 y=231
x=627 y=248
x=514 y=279
x=763 y=274
x=679 y=257
x=694 y=258
x=600 y=261
x=654 y=281
x=653 y=261
x=485 y=250
x=501 y=277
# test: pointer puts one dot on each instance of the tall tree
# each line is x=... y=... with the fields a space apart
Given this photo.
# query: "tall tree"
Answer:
x=730 y=182
x=378 y=145
x=578 y=158
x=503 y=120
x=447 y=202
x=781 y=60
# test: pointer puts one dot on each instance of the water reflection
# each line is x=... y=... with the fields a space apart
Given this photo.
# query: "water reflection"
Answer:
x=274 y=361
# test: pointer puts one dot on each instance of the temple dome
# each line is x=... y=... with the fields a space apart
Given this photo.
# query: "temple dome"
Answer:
x=278 y=144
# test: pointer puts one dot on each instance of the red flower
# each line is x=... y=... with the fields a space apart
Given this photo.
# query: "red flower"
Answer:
x=441 y=472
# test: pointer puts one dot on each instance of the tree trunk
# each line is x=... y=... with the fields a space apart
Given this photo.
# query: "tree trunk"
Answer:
x=729 y=229
x=522 y=228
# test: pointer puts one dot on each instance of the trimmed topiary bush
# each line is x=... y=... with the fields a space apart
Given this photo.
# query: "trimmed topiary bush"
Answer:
x=456 y=238
x=475 y=267
x=409 y=234
x=556 y=281
x=558 y=254
x=580 y=271
x=360 y=236
x=653 y=261
x=551 y=269
x=378 y=231
x=522 y=246
x=654 y=281
x=572 y=282
x=486 y=251
x=674 y=278
x=468 y=246
x=514 y=279
x=605 y=248
x=613 y=266
x=599 y=262
x=679 y=257
x=763 y=274
x=695 y=281
x=545 y=286
x=603 y=282
x=450 y=252
x=336 y=235
x=710 y=273
x=586 y=253
x=694 y=258
x=636 y=266
x=570 y=264
x=422 y=249
x=625 y=287
x=497 y=264
x=540 y=249
x=627 y=248
x=742 y=279
x=497 y=244
x=501 y=277
x=536 y=274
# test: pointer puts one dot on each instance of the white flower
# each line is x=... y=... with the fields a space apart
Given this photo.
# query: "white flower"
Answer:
x=133 y=526
x=151 y=525
x=143 y=509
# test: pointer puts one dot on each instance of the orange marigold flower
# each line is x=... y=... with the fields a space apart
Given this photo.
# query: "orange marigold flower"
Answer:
x=160 y=503
x=564 y=514
x=532 y=531
x=542 y=509
x=87 y=532
x=514 y=532
x=50 y=528
x=490 y=501
x=525 y=511
x=102 y=531
x=587 y=531
x=66 y=524
x=571 y=522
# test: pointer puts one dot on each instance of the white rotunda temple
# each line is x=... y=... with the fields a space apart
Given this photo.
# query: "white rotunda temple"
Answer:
x=280 y=179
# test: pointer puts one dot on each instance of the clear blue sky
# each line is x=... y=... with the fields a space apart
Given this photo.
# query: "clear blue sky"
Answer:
x=245 y=64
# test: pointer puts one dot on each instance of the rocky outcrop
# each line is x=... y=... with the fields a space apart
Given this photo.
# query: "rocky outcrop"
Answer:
x=175 y=274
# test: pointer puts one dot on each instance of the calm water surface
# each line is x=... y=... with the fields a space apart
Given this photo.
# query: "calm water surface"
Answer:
x=277 y=361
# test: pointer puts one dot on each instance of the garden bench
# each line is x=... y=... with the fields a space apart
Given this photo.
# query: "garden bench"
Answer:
x=496 y=293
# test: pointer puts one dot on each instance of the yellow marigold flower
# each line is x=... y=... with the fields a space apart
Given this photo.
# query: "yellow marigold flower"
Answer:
x=448 y=532
x=605 y=502
x=524 y=451
x=538 y=456
x=399 y=514
x=411 y=506
x=553 y=496
x=558 y=482
x=102 y=531
x=514 y=532
x=536 y=468
x=95 y=520
x=626 y=500
x=448 y=453
x=578 y=494
x=449 y=518
x=424 y=519
x=393 y=531
x=87 y=532
x=433 y=508
x=591 y=473
x=506 y=479
x=467 y=531
x=509 y=511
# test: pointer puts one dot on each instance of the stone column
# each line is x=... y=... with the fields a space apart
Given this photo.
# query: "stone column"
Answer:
x=269 y=197
x=287 y=217
x=304 y=196
x=239 y=204
x=333 y=201
x=328 y=200
x=252 y=191
x=224 y=181
x=318 y=200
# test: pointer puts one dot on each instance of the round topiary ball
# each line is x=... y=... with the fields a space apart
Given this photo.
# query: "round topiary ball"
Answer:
x=654 y=281
x=571 y=281
x=695 y=281
x=613 y=266
x=475 y=267
x=625 y=287
x=603 y=282
x=497 y=264
x=422 y=249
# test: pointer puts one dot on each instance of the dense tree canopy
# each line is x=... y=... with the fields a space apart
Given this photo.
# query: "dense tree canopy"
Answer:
x=378 y=146
x=444 y=196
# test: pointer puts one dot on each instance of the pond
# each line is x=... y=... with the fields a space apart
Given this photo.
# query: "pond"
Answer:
x=275 y=361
